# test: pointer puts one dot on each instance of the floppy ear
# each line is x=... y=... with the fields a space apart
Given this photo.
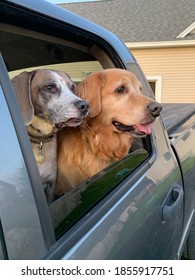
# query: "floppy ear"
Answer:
x=21 y=84
x=90 y=90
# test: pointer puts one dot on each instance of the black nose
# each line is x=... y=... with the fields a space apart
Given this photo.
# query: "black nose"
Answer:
x=82 y=106
x=154 y=108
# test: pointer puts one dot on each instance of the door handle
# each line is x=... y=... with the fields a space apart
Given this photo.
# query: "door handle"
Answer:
x=172 y=202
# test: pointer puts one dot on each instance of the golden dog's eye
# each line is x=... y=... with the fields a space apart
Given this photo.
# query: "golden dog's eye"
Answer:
x=121 y=90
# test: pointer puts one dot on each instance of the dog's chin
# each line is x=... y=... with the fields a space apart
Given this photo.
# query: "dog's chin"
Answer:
x=135 y=130
x=69 y=122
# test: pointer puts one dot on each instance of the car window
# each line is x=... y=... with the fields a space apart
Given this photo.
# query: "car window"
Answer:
x=26 y=51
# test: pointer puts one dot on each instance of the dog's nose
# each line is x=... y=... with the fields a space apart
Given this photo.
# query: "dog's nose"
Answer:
x=154 y=108
x=82 y=106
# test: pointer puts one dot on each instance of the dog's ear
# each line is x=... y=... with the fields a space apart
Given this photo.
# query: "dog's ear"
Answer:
x=91 y=91
x=22 y=84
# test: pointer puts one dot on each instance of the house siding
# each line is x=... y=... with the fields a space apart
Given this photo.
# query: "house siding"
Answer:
x=176 y=66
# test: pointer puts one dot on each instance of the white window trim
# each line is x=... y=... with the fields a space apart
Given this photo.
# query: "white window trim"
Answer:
x=158 y=86
x=188 y=30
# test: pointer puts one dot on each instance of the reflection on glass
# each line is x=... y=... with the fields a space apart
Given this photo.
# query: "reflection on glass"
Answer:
x=69 y=208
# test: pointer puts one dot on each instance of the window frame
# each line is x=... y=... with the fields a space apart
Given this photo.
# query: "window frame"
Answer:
x=158 y=80
x=95 y=214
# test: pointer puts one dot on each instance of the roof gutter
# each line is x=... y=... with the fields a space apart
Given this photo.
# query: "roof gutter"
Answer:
x=161 y=44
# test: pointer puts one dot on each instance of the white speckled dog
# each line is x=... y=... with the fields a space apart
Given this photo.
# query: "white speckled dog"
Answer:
x=48 y=103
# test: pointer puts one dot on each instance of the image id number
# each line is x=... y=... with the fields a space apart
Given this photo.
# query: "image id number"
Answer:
x=140 y=270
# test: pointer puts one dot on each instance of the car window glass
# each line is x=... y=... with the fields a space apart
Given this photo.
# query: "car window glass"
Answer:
x=69 y=208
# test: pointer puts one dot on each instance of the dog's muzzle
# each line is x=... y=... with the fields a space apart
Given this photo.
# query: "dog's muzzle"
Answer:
x=83 y=109
x=153 y=110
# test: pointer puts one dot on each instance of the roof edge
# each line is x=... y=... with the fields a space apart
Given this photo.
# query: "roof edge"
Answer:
x=161 y=44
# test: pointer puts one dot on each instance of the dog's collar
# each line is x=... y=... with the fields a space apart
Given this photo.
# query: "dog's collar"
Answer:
x=39 y=137
x=41 y=130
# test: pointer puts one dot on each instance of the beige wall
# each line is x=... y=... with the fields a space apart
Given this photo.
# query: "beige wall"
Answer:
x=175 y=69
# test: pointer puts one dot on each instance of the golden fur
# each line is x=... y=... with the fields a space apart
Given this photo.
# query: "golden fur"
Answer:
x=114 y=95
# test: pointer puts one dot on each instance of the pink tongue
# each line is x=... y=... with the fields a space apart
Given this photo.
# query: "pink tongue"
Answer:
x=146 y=128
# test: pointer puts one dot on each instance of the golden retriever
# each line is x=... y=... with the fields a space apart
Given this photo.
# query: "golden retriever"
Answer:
x=117 y=112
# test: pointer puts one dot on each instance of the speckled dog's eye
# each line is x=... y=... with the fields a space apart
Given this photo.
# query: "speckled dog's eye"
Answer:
x=51 y=88
x=121 y=90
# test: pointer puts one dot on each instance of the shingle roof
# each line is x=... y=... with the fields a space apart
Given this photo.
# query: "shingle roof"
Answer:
x=140 y=20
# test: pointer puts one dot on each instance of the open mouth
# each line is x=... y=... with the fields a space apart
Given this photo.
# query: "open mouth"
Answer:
x=137 y=130
x=69 y=122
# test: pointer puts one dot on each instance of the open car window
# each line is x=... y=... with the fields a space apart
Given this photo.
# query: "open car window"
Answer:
x=27 y=51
